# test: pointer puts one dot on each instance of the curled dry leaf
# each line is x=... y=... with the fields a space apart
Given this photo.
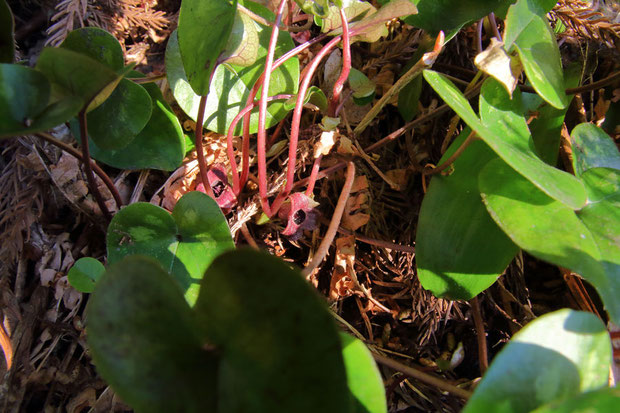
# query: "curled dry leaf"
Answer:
x=342 y=283
x=495 y=62
x=325 y=143
x=354 y=216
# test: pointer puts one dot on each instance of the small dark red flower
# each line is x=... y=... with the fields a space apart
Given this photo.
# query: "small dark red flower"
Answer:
x=218 y=179
x=300 y=215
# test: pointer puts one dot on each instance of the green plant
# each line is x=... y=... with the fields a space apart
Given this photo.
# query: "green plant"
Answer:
x=181 y=321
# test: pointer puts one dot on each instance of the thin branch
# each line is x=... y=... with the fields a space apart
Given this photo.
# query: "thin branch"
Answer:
x=481 y=335
x=470 y=138
x=76 y=154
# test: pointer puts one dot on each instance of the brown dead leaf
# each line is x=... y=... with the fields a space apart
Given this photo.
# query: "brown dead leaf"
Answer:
x=346 y=146
x=342 y=283
x=399 y=176
x=355 y=215
x=86 y=398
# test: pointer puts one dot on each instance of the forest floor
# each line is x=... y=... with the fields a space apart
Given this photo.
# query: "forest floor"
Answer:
x=48 y=220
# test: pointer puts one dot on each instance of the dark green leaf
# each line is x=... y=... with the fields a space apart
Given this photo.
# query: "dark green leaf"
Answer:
x=145 y=342
x=451 y=15
x=184 y=242
x=25 y=102
x=534 y=40
x=460 y=251
x=231 y=84
x=7 y=42
x=317 y=8
x=558 y=355
x=314 y=95
x=117 y=121
x=546 y=228
x=409 y=98
x=204 y=28
x=85 y=273
x=96 y=44
x=279 y=343
x=593 y=148
x=363 y=377
x=160 y=144
x=604 y=400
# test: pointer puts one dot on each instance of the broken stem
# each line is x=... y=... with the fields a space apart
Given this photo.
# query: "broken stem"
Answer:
x=332 y=229
x=88 y=170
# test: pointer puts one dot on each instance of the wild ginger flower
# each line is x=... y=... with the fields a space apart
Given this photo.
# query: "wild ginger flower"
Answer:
x=300 y=215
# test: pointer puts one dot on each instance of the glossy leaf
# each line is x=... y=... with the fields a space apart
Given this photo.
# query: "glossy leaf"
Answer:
x=460 y=250
x=451 y=15
x=317 y=8
x=593 y=148
x=546 y=228
x=203 y=31
x=363 y=377
x=145 y=342
x=558 y=355
x=184 y=242
x=25 y=105
x=97 y=44
x=84 y=274
x=7 y=41
x=159 y=145
x=528 y=30
x=604 y=400
x=505 y=130
x=314 y=95
x=242 y=46
x=118 y=120
x=284 y=343
x=231 y=84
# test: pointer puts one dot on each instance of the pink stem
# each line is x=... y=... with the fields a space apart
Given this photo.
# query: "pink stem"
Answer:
x=346 y=65
x=199 y=150
x=313 y=175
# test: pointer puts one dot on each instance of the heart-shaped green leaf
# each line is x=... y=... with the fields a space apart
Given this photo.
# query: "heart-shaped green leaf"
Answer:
x=604 y=400
x=97 y=44
x=117 y=121
x=25 y=102
x=184 y=242
x=231 y=84
x=593 y=148
x=242 y=46
x=534 y=40
x=277 y=339
x=451 y=15
x=547 y=229
x=7 y=42
x=204 y=27
x=558 y=355
x=460 y=251
x=505 y=130
x=314 y=95
x=84 y=274
x=159 y=145
x=363 y=88
x=145 y=342
x=363 y=377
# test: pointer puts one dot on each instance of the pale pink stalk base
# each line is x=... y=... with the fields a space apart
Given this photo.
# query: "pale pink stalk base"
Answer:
x=313 y=175
x=346 y=66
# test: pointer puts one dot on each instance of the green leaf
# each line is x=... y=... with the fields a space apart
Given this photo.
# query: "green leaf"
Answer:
x=604 y=400
x=231 y=84
x=84 y=274
x=7 y=41
x=409 y=98
x=314 y=95
x=505 y=130
x=204 y=28
x=145 y=342
x=546 y=228
x=277 y=338
x=117 y=121
x=242 y=46
x=159 y=145
x=558 y=355
x=363 y=377
x=97 y=44
x=184 y=242
x=451 y=15
x=460 y=251
x=534 y=40
x=317 y=8
x=593 y=148
x=25 y=102
x=74 y=74
x=373 y=27
x=352 y=9
x=363 y=88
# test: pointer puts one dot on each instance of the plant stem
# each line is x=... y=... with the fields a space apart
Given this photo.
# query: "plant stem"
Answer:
x=494 y=26
x=483 y=356
x=88 y=170
x=261 y=137
x=76 y=154
x=332 y=229
x=470 y=138
x=422 y=376
x=346 y=66
x=314 y=174
x=202 y=164
x=140 y=80
x=426 y=61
